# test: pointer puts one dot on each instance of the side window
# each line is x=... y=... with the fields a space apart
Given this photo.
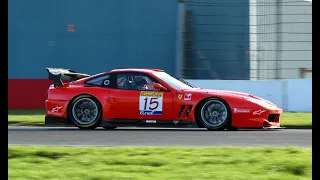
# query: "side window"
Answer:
x=121 y=79
x=135 y=81
x=104 y=81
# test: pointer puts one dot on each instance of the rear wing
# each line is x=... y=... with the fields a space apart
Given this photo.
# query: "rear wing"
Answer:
x=56 y=75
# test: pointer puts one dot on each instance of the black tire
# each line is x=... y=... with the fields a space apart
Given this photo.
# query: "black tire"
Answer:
x=222 y=115
x=94 y=109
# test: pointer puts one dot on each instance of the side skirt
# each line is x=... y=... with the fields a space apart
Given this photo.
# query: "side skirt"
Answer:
x=56 y=121
x=146 y=123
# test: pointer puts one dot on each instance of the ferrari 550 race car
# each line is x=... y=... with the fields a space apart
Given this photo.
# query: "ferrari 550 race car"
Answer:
x=150 y=97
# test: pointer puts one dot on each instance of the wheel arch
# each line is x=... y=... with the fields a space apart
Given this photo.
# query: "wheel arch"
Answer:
x=83 y=94
x=198 y=105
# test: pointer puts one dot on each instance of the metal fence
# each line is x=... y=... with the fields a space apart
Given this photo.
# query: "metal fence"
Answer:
x=256 y=39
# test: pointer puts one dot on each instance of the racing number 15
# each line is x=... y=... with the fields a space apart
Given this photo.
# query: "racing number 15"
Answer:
x=152 y=102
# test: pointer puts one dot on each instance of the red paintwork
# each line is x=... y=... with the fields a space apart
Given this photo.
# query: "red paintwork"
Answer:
x=114 y=101
x=27 y=93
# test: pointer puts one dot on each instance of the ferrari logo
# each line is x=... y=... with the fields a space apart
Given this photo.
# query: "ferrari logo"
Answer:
x=180 y=96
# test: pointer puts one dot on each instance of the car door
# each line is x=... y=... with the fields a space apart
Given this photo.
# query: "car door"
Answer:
x=129 y=102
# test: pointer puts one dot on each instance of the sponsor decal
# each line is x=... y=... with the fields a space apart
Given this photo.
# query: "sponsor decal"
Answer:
x=180 y=96
x=259 y=112
x=106 y=82
x=150 y=103
x=56 y=109
x=187 y=97
x=151 y=121
x=239 y=110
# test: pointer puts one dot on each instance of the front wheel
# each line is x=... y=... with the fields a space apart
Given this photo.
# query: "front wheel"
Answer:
x=214 y=114
x=85 y=112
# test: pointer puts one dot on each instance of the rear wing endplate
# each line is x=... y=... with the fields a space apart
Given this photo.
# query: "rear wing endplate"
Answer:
x=56 y=75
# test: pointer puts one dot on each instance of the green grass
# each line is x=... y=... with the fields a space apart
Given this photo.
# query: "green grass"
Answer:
x=293 y=119
x=26 y=117
x=145 y=163
x=36 y=117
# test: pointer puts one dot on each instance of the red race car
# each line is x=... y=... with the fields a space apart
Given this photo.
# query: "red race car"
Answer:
x=150 y=97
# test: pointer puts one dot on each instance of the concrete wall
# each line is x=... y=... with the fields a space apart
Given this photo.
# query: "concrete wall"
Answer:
x=289 y=94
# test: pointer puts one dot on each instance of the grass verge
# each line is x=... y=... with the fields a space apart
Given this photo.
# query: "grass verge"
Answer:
x=296 y=119
x=36 y=117
x=26 y=117
x=97 y=163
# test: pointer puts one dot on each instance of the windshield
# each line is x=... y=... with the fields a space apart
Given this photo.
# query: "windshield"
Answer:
x=173 y=82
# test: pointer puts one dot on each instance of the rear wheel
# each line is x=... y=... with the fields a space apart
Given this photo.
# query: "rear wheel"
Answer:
x=214 y=114
x=85 y=112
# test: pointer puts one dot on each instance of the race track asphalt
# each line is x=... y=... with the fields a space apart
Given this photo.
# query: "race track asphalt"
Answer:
x=67 y=136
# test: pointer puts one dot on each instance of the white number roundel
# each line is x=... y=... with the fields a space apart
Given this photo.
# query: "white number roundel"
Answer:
x=106 y=82
x=150 y=103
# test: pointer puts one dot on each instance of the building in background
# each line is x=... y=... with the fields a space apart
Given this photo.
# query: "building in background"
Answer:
x=216 y=40
x=85 y=36
x=203 y=39
x=281 y=39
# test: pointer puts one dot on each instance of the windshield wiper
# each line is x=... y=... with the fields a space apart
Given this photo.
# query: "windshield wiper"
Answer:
x=187 y=83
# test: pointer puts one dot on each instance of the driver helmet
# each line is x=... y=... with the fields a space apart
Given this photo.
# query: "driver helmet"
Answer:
x=140 y=83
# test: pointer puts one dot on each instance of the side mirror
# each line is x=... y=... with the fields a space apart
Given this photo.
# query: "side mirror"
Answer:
x=159 y=87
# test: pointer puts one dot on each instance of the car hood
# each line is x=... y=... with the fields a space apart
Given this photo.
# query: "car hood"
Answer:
x=215 y=91
x=247 y=96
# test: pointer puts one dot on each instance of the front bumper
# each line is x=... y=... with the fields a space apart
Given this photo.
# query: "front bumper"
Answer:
x=273 y=127
x=257 y=118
